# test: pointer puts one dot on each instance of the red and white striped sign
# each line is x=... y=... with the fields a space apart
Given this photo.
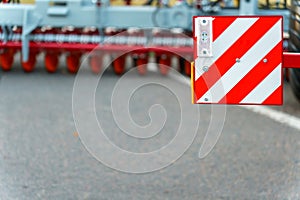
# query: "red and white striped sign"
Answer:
x=237 y=60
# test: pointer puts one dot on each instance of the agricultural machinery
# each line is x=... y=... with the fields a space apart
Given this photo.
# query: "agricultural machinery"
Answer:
x=158 y=28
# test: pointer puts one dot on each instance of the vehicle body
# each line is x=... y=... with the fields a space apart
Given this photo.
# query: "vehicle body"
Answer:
x=79 y=26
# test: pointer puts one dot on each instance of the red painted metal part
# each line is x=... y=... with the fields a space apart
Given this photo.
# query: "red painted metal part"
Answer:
x=106 y=47
x=73 y=62
x=164 y=64
x=118 y=65
x=29 y=65
x=291 y=60
x=7 y=59
x=187 y=68
x=96 y=61
x=51 y=61
x=142 y=65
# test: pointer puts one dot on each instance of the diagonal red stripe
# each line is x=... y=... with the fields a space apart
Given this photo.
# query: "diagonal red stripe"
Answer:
x=220 y=24
x=237 y=50
x=275 y=98
x=254 y=77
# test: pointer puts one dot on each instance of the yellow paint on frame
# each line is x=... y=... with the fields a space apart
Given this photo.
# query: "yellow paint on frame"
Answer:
x=192 y=83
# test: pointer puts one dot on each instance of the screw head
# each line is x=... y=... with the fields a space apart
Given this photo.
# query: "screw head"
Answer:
x=205 y=68
x=205 y=99
x=237 y=60
x=265 y=60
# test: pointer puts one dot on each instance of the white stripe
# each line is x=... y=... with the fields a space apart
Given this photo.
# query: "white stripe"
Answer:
x=224 y=42
x=247 y=62
x=263 y=90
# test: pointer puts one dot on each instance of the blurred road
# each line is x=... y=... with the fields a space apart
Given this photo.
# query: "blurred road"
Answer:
x=42 y=157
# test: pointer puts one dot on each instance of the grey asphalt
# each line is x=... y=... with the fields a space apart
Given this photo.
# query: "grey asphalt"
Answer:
x=42 y=157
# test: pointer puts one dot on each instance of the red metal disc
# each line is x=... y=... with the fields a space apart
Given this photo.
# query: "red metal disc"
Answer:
x=187 y=67
x=96 y=63
x=7 y=59
x=29 y=65
x=73 y=61
x=142 y=65
x=164 y=64
x=51 y=62
x=119 y=65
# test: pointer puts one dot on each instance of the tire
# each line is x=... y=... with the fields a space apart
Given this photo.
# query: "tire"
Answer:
x=294 y=46
x=295 y=82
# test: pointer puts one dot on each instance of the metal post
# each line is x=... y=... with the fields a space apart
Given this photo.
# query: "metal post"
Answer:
x=248 y=7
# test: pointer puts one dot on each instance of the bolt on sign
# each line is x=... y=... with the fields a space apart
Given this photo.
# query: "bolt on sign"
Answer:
x=237 y=60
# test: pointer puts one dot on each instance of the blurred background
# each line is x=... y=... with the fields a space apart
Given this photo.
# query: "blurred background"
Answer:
x=50 y=49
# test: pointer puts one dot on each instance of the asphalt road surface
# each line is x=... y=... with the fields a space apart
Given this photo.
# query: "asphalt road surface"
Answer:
x=43 y=157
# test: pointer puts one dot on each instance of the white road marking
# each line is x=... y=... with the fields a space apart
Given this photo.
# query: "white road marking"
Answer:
x=278 y=116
